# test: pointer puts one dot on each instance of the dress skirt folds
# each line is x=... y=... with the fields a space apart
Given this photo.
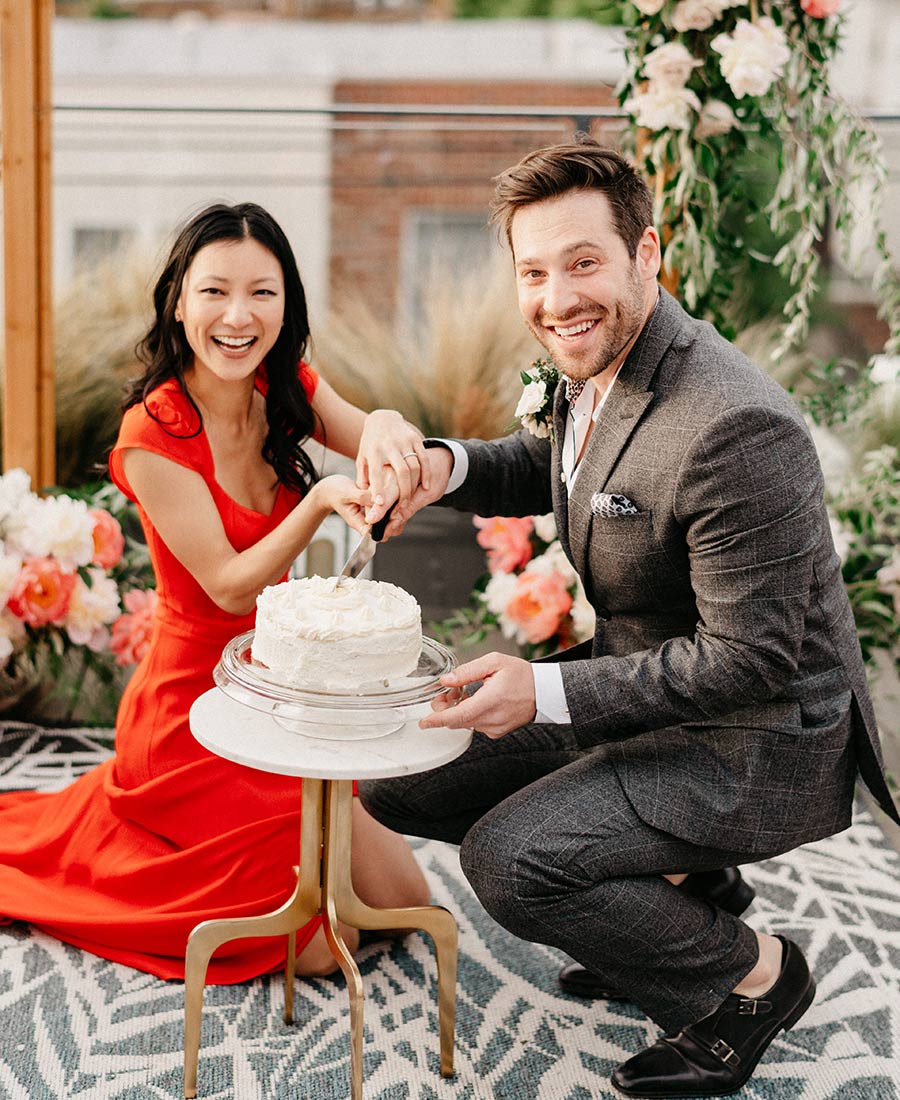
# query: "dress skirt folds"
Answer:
x=129 y=858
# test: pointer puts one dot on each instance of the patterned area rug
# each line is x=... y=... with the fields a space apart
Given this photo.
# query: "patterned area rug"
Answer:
x=73 y=1025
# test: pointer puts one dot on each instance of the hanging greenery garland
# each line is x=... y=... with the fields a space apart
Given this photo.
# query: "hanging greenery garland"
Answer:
x=707 y=82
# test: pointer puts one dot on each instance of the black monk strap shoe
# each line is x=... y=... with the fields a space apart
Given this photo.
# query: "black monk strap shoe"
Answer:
x=725 y=888
x=718 y=1054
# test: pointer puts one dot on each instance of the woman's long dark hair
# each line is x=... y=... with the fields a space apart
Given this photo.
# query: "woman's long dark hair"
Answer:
x=166 y=353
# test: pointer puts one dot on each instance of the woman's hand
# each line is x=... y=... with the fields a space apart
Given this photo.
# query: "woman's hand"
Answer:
x=339 y=494
x=391 y=460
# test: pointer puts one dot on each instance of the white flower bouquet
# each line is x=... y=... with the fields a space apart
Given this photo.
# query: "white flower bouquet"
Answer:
x=65 y=564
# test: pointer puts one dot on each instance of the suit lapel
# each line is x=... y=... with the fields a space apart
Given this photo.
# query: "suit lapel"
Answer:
x=558 y=488
x=626 y=404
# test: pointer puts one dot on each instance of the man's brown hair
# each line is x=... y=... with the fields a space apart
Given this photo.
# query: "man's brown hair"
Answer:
x=581 y=165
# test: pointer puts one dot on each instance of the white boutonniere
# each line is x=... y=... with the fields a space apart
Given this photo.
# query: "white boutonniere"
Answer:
x=535 y=407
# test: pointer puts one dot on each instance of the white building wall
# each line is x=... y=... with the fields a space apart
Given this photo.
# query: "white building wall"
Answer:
x=145 y=172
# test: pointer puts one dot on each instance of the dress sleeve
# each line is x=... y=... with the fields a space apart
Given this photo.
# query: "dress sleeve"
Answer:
x=309 y=379
x=165 y=424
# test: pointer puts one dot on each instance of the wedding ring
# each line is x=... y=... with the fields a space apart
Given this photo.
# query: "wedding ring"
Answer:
x=410 y=454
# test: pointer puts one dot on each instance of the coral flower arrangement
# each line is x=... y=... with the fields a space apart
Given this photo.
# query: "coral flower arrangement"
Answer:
x=66 y=567
x=530 y=592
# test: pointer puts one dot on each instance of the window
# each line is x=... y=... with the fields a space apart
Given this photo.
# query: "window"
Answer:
x=94 y=243
x=441 y=245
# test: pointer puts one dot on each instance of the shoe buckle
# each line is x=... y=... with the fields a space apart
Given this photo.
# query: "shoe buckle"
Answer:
x=724 y=1053
x=749 y=1006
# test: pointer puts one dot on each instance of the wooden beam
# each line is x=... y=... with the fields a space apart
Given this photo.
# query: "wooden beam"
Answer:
x=28 y=384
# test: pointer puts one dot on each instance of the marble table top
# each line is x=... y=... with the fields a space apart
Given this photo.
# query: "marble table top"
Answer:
x=324 y=750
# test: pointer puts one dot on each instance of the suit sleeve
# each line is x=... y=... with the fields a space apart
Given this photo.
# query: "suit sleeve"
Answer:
x=748 y=498
x=507 y=477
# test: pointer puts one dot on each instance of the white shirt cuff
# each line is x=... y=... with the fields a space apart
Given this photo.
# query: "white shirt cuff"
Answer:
x=550 y=695
x=460 y=470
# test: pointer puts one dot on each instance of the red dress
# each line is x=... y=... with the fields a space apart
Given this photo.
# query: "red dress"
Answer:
x=130 y=857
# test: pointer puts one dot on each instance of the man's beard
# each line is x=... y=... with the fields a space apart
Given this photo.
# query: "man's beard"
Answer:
x=619 y=329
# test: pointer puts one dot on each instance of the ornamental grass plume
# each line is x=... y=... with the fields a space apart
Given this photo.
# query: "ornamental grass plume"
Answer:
x=453 y=372
x=98 y=320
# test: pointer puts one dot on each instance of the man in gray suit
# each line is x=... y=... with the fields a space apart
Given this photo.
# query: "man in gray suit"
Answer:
x=720 y=715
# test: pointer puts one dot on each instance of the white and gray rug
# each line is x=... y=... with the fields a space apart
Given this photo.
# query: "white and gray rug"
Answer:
x=73 y=1026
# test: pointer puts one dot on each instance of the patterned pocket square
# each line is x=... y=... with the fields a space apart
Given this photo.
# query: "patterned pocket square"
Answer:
x=608 y=505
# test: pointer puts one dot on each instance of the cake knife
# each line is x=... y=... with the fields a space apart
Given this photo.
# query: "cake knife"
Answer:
x=365 y=549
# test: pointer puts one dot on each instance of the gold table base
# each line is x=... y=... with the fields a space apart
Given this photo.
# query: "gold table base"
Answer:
x=323 y=886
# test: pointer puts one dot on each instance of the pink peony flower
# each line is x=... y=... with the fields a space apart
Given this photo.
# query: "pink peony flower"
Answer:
x=507 y=541
x=538 y=606
x=41 y=593
x=131 y=632
x=109 y=542
x=820 y=9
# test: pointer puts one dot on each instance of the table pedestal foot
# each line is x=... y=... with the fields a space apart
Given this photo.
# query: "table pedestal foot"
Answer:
x=300 y=908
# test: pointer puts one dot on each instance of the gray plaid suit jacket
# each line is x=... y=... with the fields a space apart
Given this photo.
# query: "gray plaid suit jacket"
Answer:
x=725 y=675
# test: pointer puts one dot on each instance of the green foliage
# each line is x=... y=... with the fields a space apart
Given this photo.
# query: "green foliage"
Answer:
x=599 y=11
x=867 y=509
x=833 y=391
x=760 y=194
x=108 y=9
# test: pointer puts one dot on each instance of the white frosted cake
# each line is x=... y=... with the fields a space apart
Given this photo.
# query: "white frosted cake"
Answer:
x=314 y=634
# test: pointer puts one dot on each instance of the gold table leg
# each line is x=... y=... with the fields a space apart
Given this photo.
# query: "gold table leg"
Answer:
x=340 y=900
x=299 y=909
x=324 y=885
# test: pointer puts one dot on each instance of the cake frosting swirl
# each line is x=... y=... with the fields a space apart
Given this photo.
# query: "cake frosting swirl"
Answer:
x=313 y=633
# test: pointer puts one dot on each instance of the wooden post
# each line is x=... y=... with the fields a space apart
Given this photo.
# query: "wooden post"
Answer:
x=668 y=279
x=28 y=389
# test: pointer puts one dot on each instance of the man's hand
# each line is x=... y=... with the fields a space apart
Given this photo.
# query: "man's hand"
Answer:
x=437 y=466
x=504 y=702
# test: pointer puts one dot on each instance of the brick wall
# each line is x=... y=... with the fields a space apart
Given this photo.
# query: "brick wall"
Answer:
x=382 y=169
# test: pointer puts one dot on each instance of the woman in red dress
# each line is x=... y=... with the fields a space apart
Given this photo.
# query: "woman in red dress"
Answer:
x=128 y=859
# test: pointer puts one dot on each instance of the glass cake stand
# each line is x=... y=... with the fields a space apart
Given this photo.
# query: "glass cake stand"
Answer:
x=361 y=712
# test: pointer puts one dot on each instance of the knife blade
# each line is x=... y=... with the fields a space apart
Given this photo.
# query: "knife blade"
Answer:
x=364 y=550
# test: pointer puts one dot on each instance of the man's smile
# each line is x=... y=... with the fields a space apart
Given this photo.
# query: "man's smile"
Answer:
x=569 y=331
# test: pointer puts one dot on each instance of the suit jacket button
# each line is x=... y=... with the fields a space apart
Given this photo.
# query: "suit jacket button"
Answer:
x=562 y=478
x=603 y=613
